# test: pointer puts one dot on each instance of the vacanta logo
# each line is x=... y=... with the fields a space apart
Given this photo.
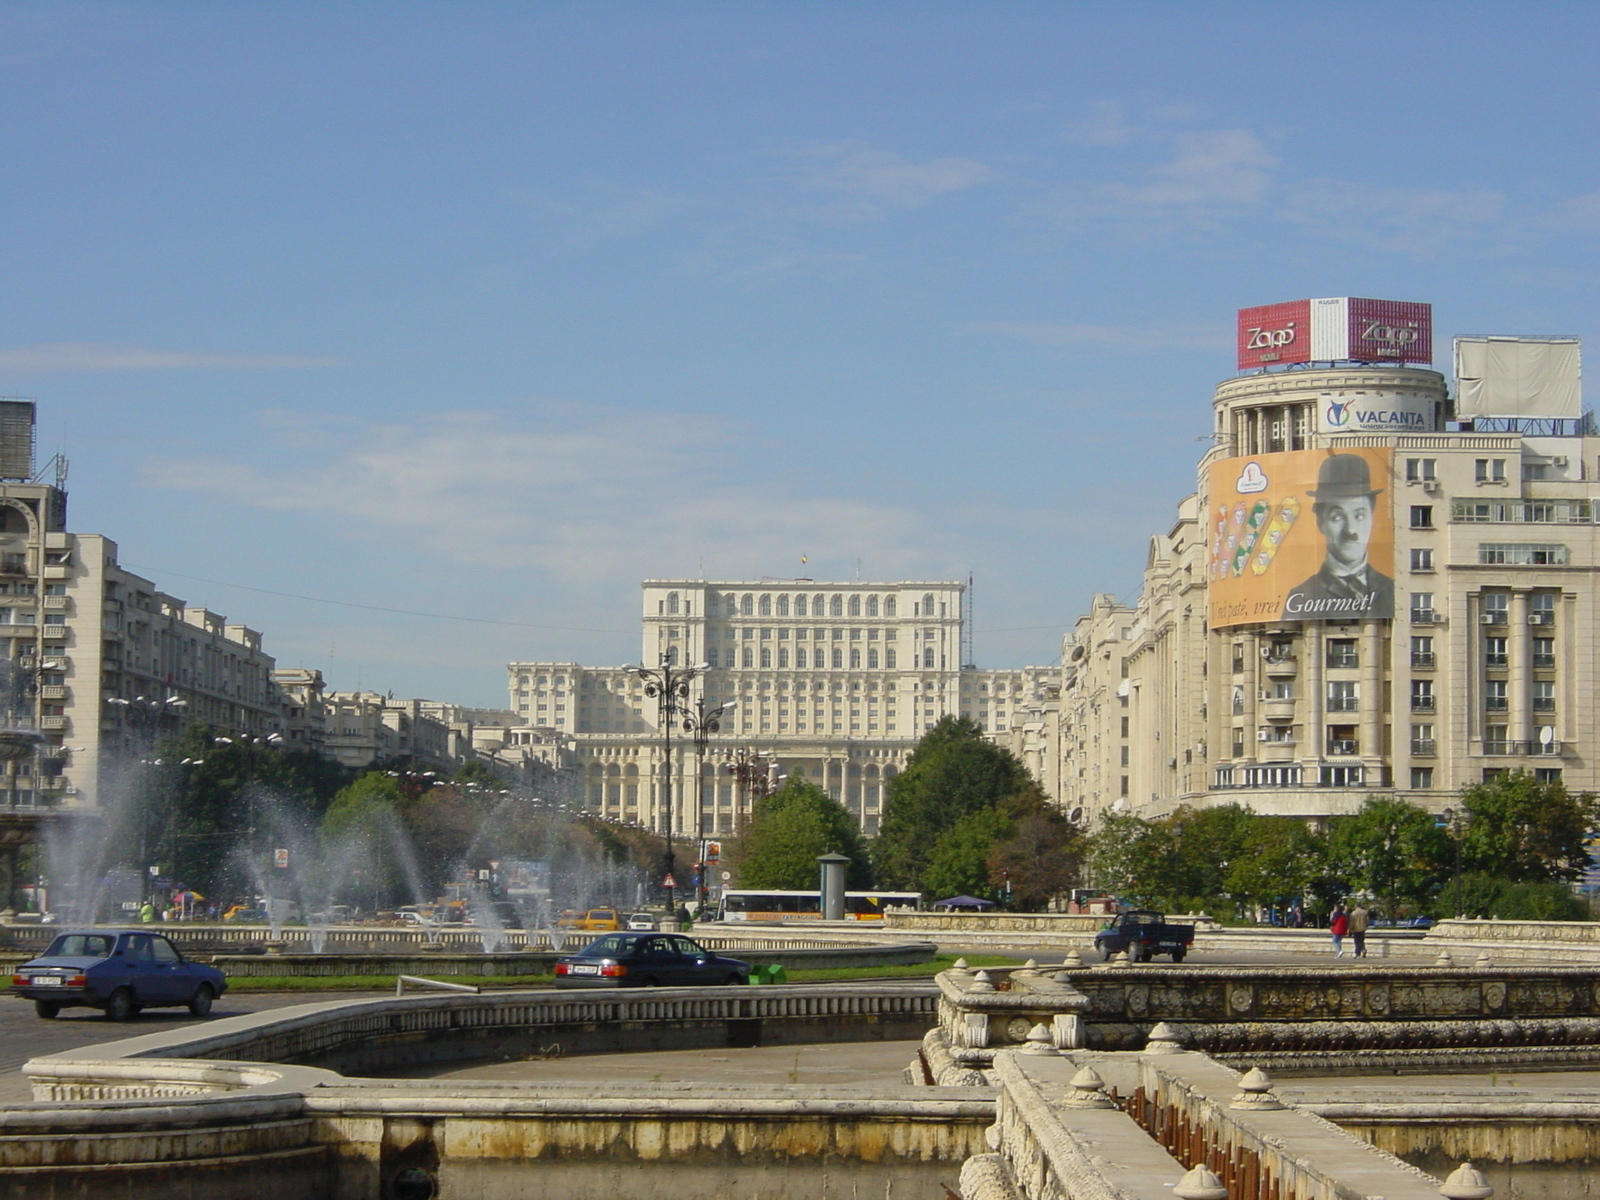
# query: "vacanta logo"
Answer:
x=1337 y=415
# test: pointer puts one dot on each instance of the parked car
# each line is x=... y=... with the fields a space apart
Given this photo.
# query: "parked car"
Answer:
x=1143 y=934
x=642 y=922
x=647 y=960
x=119 y=972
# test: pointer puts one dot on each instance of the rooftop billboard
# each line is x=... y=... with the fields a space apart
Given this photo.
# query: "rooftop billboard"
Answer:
x=1335 y=329
x=1305 y=535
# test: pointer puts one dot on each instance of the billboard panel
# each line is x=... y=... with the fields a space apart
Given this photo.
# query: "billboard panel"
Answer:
x=1335 y=329
x=1305 y=535
x=1274 y=334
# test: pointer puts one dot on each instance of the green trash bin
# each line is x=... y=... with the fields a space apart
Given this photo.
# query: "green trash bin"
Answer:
x=769 y=973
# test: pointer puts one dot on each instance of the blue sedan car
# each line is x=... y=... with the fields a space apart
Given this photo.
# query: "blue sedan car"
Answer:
x=119 y=972
x=647 y=960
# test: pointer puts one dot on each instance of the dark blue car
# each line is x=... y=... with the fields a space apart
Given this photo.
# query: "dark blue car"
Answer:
x=117 y=971
x=647 y=960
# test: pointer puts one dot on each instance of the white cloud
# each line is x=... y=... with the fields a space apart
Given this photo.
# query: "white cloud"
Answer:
x=609 y=496
x=91 y=356
x=1219 y=167
x=1413 y=220
x=885 y=178
x=1106 y=125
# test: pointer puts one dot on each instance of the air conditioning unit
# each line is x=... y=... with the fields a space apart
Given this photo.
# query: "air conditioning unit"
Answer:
x=1263 y=695
x=1261 y=735
x=1493 y=618
x=1540 y=618
x=69 y=790
x=1431 y=486
x=1559 y=460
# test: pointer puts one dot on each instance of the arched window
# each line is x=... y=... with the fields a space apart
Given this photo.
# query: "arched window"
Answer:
x=711 y=657
x=783 y=606
x=672 y=656
x=888 y=659
x=800 y=658
x=872 y=606
x=927 y=605
x=748 y=605
x=836 y=607
x=855 y=657
x=872 y=659
x=749 y=657
x=799 y=606
x=838 y=659
x=766 y=606
x=927 y=656
x=672 y=604
x=888 y=606
x=711 y=604
x=783 y=656
x=855 y=606
x=766 y=656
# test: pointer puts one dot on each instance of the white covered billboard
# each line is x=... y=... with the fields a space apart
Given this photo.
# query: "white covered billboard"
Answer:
x=1518 y=377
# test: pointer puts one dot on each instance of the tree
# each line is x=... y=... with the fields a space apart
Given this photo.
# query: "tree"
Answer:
x=1391 y=850
x=789 y=830
x=1279 y=859
x=1208 y=845
x=1133 y=858
x=1041 y=856
x=953 y=772
x=959 y=862
x=1526 y=830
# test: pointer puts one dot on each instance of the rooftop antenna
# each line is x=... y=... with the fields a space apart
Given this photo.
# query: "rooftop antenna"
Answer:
x=968 y=661
x=858 y=570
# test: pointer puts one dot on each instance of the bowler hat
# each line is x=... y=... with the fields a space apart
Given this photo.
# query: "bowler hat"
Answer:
x=1343 y=475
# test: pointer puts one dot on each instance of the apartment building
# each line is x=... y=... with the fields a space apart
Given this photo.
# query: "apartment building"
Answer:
x=1283 y=658
x=834 y=682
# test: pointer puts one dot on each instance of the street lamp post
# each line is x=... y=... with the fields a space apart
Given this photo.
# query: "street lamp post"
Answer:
x=700 y=723
x=1453 y=818
x=252 y=745
x=668 y=685
x=752 y=772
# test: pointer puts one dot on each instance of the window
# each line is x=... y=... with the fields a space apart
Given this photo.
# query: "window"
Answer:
x=1419 y=469
x=1547 y=774
x=1495 y=740
x=1495 y=605
x=872 y=606
x=1489 y=470
x=1422 y=738
x=1494 y=652
x=1342 y=652
x=1422 y=652
x=766 y=606
x=855 y=658
x=836 y=606
x=855 y=606
x=1421 y=778
x=783 y=656
x=872 y=659
x=711 y=604
x=711 y=657
x=799 y=606
x=1494 y=695
x=672 y=604
x=1283 y=689
x=1340 y=777
x=1342 y=696
x=1544 y=654
x=1421 y=559
x=927 y=657
x=800 y=658
x=888 y=606
x=749 y=657
x=1422 y=608
x=888 y=659
x=838 y=659
x=1544 y=695
x=783 y=606
x=1422 y=516
x=747 y=605
x=1542 y=608
x=1342 y=740
x=1422 y=695
x=1523 y=554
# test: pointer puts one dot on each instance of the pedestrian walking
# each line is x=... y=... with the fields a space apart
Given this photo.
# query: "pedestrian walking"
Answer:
x=1338 y=927
x=1359 y=920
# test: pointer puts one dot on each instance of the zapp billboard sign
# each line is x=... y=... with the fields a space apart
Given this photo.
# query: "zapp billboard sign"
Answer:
x=1302 y=536
x=1335 y=329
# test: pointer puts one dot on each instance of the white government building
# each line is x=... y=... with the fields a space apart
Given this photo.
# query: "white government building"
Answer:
x=835 y=682
x=1466 y=648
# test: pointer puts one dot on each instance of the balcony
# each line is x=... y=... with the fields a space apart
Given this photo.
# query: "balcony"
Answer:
x=53 y=691
x=1343 y=747
x=1281 y=666
x=1495 y=703
x=12 y=569
x=55 y=602
x=1424 y=661
x=1345 y=659
x=1545 y=749
x=1276 y=752
x=1421 y=703
x=1422 y=747
x=52 y=722
x=1544 y=704
x=55 y=631
x=1508 y=749
x=1278 y=708
x=1343 y=704
x=1495 y=662
x=1544 y=662
x=1423 y=616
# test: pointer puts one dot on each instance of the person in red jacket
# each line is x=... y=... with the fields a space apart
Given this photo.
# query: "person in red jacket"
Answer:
x=1338 y=927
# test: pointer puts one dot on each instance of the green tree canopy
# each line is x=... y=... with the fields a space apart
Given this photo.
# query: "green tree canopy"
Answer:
x=1526 y=830
x=954 y=771
x=789 y=830
x=1040 y=856
x=1391 y=850
x=1133 y=858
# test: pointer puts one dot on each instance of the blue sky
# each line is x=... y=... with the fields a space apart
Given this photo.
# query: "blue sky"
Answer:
x=493 y=310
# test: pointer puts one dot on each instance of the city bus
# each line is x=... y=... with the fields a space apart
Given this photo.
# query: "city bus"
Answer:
x=750 y=904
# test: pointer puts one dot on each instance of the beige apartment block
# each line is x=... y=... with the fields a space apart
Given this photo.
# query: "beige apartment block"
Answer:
x=1486 y=663
x=834 y=682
